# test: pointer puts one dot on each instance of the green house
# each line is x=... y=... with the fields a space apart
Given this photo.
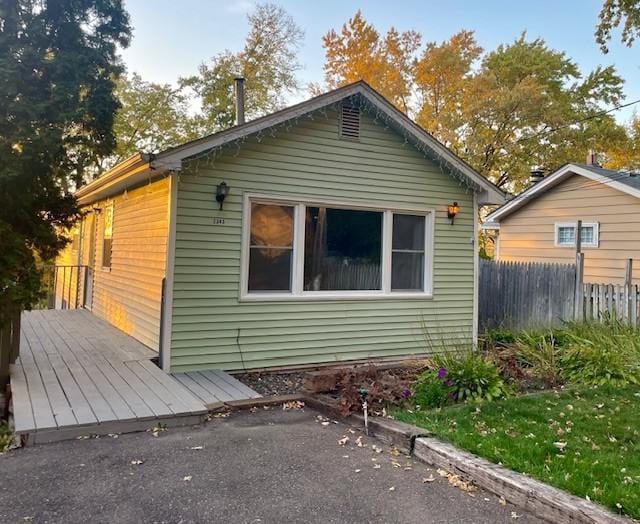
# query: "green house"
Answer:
x=333 y=230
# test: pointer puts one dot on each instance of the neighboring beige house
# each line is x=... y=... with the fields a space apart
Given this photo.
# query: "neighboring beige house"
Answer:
x=539 y=225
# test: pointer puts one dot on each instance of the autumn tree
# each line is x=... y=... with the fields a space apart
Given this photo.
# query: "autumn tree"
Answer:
x=520 y=105
x=443 y=76
x=626 y=154
x=615 y=13
x=152 y=117
x=358 y=52
x=58 y=60
x=268 y=62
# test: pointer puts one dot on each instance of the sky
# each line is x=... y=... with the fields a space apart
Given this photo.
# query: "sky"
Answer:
x=172 y=37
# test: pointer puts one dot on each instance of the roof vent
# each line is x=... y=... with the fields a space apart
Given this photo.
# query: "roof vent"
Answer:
x=537 y=175
x=350 y=122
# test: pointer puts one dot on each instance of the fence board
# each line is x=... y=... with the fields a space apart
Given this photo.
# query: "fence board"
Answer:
x=526 y=295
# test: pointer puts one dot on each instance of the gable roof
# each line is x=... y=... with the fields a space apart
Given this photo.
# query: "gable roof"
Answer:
x=624 y=181
x=171 y=159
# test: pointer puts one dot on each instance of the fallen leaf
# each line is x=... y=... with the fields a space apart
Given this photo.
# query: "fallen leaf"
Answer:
x=377 y=466
x=376 y=449
x=428 y=479
x=343 y=441
x=187 y=478
x=396 y=464
x=503 y=501
x=294 y=404
x=514 y=515
x=325 y=423
x=359 y=442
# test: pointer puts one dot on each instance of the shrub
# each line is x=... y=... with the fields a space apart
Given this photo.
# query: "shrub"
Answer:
x=540 y=354
x=458 y=377
x=599 y=353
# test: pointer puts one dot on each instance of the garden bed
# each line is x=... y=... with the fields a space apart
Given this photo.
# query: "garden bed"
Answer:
x=585 y=441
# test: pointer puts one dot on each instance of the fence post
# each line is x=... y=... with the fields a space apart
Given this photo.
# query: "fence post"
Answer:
x=15 y=335
x=578 y=312
x=5 y=354
x=628 y=273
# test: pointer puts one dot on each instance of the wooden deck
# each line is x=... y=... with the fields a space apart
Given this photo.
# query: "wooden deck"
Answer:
x=78 y=375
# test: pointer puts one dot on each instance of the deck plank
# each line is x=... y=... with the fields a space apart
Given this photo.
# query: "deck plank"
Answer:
x=174 y=387
x=203 y=394
x=22 y=409
x=42 y=412
x=81 y=408
x=235 y=383
x=78 y=375
x=201 y=379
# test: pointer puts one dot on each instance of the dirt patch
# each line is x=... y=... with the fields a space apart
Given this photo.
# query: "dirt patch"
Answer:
x=269 y=384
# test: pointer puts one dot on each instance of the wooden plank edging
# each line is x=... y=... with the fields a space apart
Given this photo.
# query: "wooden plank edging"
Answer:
x=542 y=500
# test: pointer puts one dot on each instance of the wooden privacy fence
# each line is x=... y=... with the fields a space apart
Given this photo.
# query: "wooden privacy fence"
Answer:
x=521 y=295
x=9 y=344
x=612 y=301
x=518 y=295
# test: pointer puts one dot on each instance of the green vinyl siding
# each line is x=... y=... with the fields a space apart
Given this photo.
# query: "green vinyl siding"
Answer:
x=210 y=325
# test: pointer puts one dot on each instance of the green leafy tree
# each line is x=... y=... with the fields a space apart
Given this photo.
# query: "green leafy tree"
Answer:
x=615 y=13
x=58 y=60
x=530 y=105
x=152 y=117
x=268 y=63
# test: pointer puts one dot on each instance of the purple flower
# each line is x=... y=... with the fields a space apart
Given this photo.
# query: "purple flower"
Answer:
x=442 y=373
x=452 y=395
x=448 y=383
x=406 y=393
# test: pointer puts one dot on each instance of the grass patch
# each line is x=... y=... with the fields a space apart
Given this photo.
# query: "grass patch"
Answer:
x=585 y=441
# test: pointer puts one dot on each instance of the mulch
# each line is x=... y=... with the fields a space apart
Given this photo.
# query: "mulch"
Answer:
x=269 y=384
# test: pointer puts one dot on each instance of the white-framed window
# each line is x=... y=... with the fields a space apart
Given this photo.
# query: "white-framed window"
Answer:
x=565 y=234
x=107 y=236
x=315 y=249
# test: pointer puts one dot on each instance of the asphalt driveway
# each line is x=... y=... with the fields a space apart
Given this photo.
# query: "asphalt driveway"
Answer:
x=267 y=466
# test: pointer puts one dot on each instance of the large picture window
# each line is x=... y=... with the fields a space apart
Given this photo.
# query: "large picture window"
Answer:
x=318 y=249
x=342 y=249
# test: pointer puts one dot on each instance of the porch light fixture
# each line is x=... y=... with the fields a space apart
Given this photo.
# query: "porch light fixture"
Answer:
x=452 y=211
x=222 y=190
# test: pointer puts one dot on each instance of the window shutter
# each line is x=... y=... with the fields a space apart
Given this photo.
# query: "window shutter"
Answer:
x=350 y=122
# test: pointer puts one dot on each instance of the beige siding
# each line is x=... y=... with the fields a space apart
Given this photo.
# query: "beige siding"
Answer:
x=213 y=328
x=529 y=233
x=128 y=295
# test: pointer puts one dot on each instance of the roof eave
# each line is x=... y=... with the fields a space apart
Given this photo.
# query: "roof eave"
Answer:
x=124 y=174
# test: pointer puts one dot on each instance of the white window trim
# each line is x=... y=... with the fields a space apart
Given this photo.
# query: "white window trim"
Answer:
x=109 y=205
x=574 y=225
x=297 y=272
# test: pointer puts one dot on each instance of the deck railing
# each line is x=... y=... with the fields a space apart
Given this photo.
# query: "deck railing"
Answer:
x=66 y=287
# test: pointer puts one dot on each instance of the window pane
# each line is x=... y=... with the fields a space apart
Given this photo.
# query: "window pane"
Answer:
x=407 y=271
x=271 y=225
x=408 y=232
x=566 y=235
x=343 y=249
x=269 y=269
x=271 y=247
x=586 y=234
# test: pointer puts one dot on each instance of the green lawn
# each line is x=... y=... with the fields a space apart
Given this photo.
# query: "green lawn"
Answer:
x=585 y=441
